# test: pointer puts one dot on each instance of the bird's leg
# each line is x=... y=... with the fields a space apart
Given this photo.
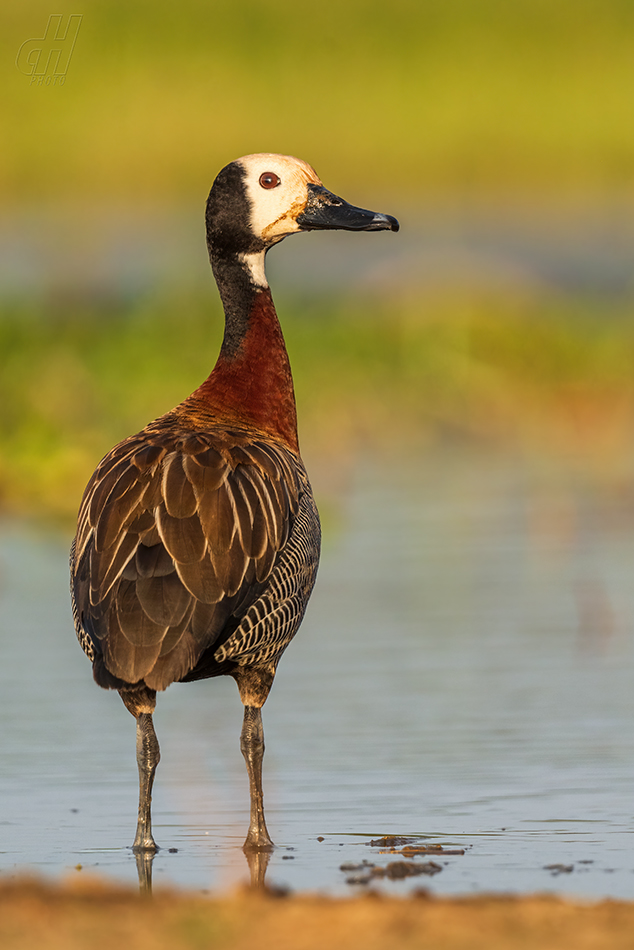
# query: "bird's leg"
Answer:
x=252 y=748
x=141 y=704
x=147 y=757
x=254 y=685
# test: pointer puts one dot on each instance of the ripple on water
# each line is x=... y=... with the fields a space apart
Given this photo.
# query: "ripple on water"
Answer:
x=462 y=680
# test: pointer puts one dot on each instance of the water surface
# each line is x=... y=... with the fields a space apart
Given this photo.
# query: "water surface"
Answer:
x=463 y=676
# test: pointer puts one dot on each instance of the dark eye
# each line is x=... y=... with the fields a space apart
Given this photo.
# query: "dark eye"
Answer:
x=269 y=180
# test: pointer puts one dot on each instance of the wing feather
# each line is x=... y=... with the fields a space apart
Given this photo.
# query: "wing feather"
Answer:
x=194 y=444
x=206 y=471
x=178 y=534
x=183 y=537
x=258 y=526
x=135 y=624
x=264 y=564
x=217 y=519
x=147 y=456
x=265 y=503
x=231 y=568
x=106 y=566
x=122 y=658
x=118 y=513
x=102 y=488
x=177 y=490
x=200 y=579
x=153 y=561
x=243 y=514
x=174 y=665
x=164 y=599
x=271 y=466
x=124 y=450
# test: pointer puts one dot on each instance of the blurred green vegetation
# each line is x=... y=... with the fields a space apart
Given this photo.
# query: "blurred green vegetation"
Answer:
x=548 y=376
x=529 y=101
x=414 y=96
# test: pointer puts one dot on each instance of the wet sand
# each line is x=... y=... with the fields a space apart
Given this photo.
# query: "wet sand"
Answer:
x=83 y=914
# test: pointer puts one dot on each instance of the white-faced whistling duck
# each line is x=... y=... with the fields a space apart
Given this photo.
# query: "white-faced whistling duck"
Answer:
x=198 y=538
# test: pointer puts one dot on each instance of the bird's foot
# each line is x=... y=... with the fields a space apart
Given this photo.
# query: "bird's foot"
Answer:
x=258 y=841
x=145 y=844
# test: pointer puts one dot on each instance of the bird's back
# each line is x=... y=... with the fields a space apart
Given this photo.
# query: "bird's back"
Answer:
x=196 y=552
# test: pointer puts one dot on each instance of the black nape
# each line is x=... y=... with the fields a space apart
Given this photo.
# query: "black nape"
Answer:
x=228 y=216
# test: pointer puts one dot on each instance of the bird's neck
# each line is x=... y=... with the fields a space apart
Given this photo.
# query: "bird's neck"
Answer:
x=251 y=383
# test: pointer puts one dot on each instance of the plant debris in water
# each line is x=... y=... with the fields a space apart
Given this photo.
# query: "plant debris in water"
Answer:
x=394 y=844
x=389 y=841
x=556 y=869
x=366 y=872
x=409 y=847
x=410 y=850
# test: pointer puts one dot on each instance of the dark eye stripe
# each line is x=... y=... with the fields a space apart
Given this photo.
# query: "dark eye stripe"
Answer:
x=269 y=180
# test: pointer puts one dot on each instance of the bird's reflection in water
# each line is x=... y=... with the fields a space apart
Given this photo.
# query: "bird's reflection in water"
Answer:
x=258 y=862
x=144 y=860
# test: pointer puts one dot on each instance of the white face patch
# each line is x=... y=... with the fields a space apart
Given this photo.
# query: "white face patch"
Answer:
x=274 y=210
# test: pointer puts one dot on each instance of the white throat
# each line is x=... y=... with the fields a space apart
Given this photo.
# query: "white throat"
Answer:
x=254 y=263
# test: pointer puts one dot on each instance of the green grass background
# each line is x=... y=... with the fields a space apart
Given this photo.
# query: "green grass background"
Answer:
x=413 y=95
x=543 y=377
x=417 y=102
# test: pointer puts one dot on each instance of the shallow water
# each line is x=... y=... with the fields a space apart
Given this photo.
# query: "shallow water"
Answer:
x=463 y=677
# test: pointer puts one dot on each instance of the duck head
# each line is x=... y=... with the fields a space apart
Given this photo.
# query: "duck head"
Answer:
x=258 y=200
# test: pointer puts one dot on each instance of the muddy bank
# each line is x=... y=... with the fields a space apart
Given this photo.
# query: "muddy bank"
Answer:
x=85 y=914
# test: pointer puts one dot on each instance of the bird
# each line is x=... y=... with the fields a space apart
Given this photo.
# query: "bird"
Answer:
x=198 y=538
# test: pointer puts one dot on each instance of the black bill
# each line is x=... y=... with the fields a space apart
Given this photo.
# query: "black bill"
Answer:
x=325 y=211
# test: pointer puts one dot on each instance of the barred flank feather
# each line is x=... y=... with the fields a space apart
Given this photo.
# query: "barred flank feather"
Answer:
x=272 y=621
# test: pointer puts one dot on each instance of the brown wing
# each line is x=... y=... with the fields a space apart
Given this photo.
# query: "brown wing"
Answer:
x=177 y=537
